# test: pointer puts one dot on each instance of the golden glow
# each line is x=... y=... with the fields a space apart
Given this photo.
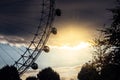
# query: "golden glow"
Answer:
x=71 y=44
x=70 y=35
x=70 y=55
x=80 y=46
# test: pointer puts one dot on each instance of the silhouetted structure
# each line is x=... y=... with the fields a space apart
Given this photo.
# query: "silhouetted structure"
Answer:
x=34 y=66
x=48 y=74
x=9 y=73
x=31 y=78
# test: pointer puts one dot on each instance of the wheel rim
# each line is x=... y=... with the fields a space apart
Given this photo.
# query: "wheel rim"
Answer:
x=40 y=37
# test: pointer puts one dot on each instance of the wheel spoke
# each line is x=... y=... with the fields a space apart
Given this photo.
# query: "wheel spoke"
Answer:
x=29 y=54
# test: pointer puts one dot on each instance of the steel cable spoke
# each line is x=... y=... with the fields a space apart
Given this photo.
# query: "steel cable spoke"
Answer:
x=7 y=53
x=40 y=36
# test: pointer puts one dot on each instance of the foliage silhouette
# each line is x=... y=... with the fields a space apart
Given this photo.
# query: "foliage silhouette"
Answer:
x=112 y=35
x=88 y=72
x=109 y=48
x=9 y=73
x=48 y=74
x=31 y=78
x=100 y=53
x=110 y=72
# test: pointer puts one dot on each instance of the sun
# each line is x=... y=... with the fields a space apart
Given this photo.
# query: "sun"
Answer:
x=71 y=35
x=71 y=45
x=83 y=45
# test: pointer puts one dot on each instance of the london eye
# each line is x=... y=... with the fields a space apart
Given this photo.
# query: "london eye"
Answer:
x=39 y=33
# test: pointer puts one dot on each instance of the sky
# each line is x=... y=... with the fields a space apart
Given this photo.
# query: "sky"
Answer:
x=76 y=28
x=19 y=16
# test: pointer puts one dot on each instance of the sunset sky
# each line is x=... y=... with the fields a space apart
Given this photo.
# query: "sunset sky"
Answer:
x=77 y=25
x=76 y=28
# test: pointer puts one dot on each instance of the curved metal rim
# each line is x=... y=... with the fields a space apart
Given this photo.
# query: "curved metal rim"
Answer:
x=22 y=67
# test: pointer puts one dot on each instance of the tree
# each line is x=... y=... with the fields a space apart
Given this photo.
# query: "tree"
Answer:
x=48 y=74
x=100 y=52
x=88 y=72
x=112 y=35
x=31 y=78
x=9 y=73
x=110 y=61
x=110 y=72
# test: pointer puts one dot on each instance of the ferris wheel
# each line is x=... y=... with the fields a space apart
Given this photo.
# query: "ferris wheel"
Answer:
x=40 y=34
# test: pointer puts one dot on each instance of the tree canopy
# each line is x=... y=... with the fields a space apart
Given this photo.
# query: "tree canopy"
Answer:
x=9 y=73
x=48 y=74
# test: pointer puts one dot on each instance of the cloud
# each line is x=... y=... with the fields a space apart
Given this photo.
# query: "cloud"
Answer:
x=66 y=61
x=93 y=11
x=64 y=57
x=19 y=18
x=66 y=73
x=13 y=40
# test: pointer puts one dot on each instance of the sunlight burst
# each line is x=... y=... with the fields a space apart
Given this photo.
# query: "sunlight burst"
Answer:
x=72 y=55
x=77 y=47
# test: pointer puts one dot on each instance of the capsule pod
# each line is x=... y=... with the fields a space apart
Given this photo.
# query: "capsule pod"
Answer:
x=58 y=12
x=34 y=66
x=46 y=49
x=54 y=30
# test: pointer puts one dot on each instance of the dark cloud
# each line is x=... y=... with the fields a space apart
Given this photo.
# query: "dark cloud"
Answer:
x=93 y=11
x=85 y=1
x=20 y=18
